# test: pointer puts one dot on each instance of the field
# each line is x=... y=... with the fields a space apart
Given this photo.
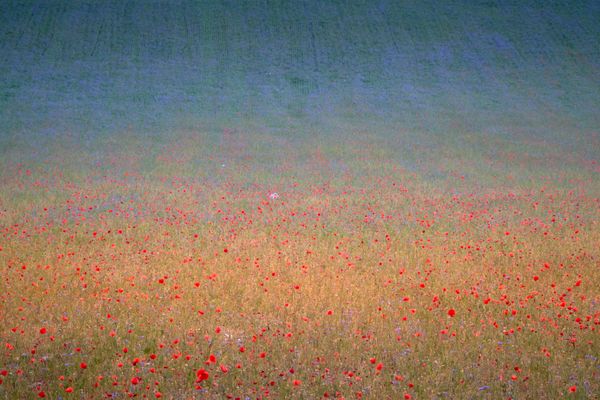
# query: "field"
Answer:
x=209 y=219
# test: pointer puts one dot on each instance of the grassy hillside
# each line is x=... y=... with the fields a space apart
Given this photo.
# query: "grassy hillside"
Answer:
x=265 y=199
x=520 y=69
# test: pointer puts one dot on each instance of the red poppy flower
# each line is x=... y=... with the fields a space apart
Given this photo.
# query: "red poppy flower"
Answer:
x=202 y=375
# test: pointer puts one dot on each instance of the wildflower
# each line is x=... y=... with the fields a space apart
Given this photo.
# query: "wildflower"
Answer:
x=201 y=375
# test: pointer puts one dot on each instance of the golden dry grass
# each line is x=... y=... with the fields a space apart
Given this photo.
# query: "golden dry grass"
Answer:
x=144 y=261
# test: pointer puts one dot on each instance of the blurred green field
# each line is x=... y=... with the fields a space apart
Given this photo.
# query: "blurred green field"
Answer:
x=518 y=70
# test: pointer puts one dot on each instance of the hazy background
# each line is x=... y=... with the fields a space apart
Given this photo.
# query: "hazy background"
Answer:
x=517 y=71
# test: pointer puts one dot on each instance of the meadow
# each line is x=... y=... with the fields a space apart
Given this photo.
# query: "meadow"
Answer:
x=243 y=266
x=299 y=199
